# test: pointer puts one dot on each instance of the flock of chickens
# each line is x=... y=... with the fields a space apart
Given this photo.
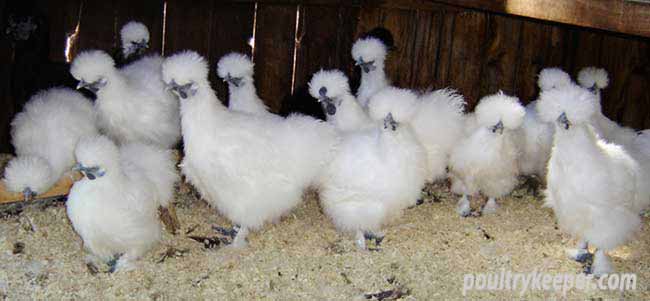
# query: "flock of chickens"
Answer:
x=369 y=161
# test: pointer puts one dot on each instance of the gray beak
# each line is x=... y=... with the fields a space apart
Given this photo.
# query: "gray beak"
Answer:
x=390 y=123
x=28 y=194
x=365 y=66
x=92 y=87
x=326 y=102
x=182 y=91
x=564 y=121
x=497 y=128
x=139 y=47
x=91 y=173
x=236 y=81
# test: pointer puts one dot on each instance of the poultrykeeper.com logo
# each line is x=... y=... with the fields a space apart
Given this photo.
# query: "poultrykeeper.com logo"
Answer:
x=524 y=282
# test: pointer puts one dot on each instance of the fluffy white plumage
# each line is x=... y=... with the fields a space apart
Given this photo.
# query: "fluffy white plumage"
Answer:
x=370 y=55
x=332 y=90
x=593 y=78
x=536 y=140
x=132 y=103
x=550 y=78
x=485 y=161
x=237 y=70
x=135 y=38
x=252 y=168
x=114 y=208
x=535 y=137
x=592 y=186
x=44 y=135
x=436 y=117
x=375 y=175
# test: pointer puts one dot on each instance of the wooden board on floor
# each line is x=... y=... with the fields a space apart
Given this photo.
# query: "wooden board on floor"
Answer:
x=60 y=189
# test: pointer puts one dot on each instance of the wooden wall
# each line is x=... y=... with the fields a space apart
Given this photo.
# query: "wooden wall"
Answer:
x=438 y=46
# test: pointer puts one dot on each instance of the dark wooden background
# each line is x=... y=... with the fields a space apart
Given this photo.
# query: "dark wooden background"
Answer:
x=438 y=45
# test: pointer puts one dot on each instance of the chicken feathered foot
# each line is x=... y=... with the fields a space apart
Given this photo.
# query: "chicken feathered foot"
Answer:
x=580 y=253
x=228 y=232
x=490 y=207
x=240 y=239
x=463 y=208
x=601 y=265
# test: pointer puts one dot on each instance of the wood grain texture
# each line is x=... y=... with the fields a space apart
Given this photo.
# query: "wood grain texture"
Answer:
x=624 y=99
x=467 y=50
x=614 y=15
x=399 y=63
x=189 y=26
x=500 y=56
x=274 y=45
x=60 y=189
x=232 y=27
x=542 y=46
x=426 y=49
x=98 y=28
x=63 y=17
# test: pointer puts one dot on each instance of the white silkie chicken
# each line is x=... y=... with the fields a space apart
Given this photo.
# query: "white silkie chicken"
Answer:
x=376 y=174
x=369 y=53
x=44 y=135
x=592 y=186
x=236 y=69
x=437 y=119
x=332 y=90
x=132 y=103
x=114 y=209
x=486 y=160
x=135 y=40
x=536 y=136
x=595 y=80
x=252 y=168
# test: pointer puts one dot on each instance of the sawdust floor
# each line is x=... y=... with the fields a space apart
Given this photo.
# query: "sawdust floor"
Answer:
x=302 y=257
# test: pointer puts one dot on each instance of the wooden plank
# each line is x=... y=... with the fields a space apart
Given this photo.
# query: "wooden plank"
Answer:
x=149 y=12
x=189 y=26
x=614 y=15
x=97 y=29
x=325 y=37
x=500 y=58
x=233 y=27
x=626 y=61
x=60 y=189
x=585 y=50
x=635 y=99
x=542 y=45
x=426 y=50
x=274 y=45
x=399 y=63
x=63 y=17
x=444 y=50
x=464 y=72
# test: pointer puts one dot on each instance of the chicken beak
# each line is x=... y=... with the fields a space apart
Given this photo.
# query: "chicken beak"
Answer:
x=564 y=121
x=28 y=194
x=498 y=128
x=92 y=87
x=235 y=81
x=82 y=84
x=139 y=47
x=328 y=105
x=182 y=91
x=365 y=66
x=390 y=123
x=91 y=173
